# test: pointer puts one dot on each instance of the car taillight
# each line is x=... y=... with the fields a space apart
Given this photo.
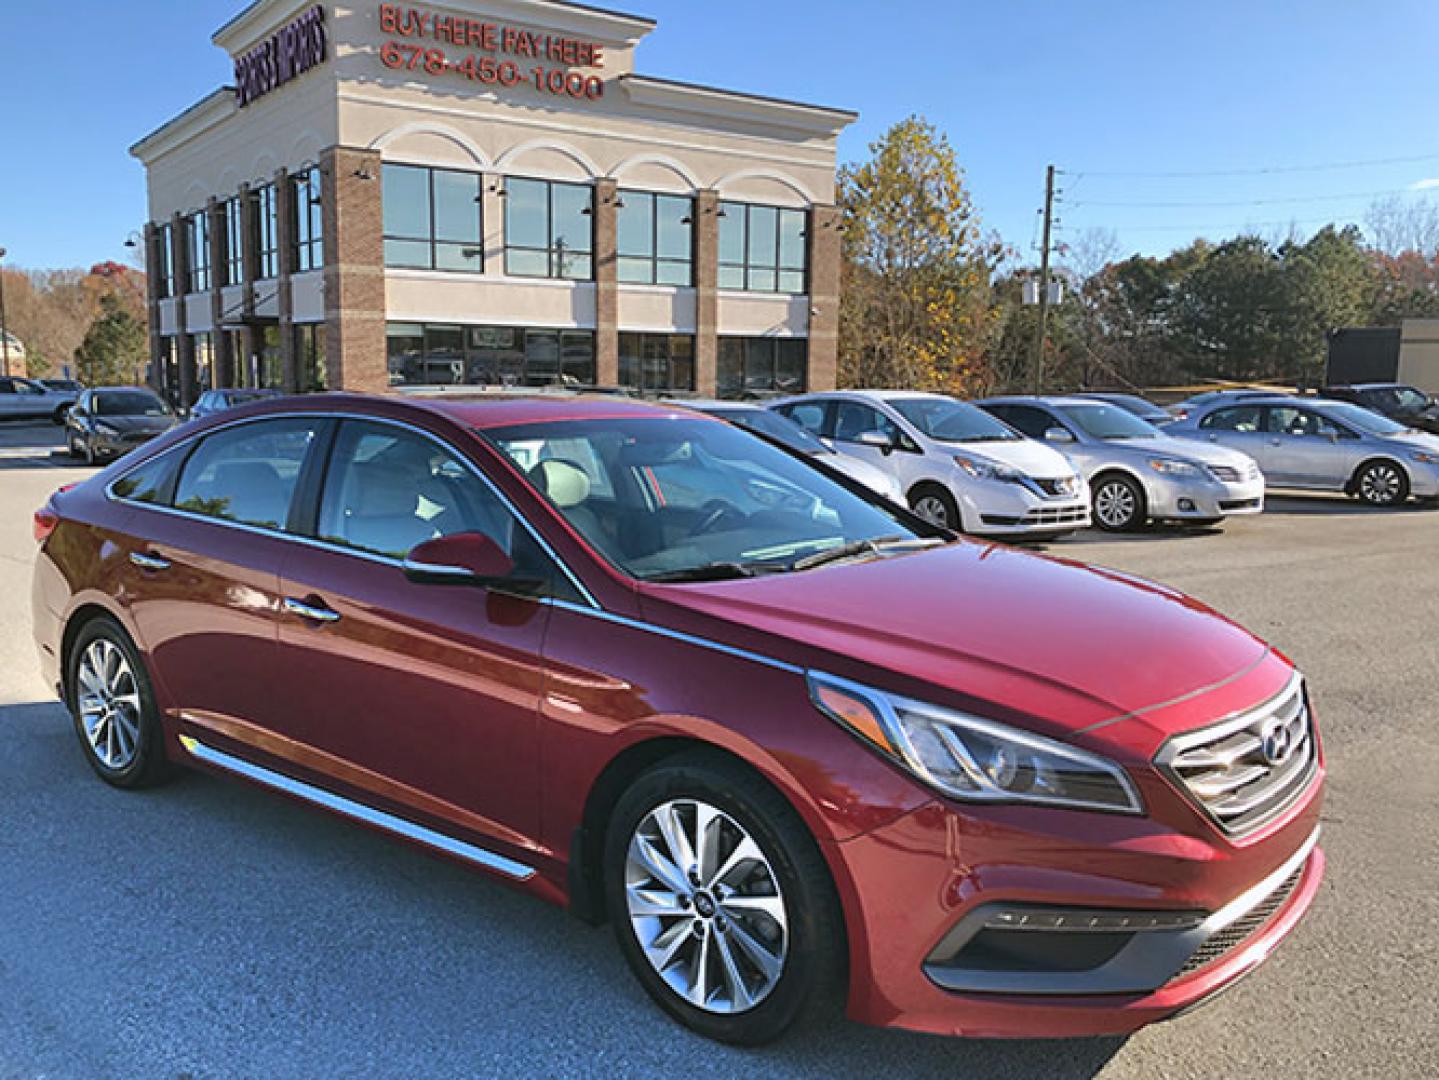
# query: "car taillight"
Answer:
x=45 y=521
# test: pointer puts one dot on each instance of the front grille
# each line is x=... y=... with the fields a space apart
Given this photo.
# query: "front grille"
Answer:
x=1243 y=928
x=1057 y=515
x=1233 y=505
x=1231 y=475
x=1245 y=770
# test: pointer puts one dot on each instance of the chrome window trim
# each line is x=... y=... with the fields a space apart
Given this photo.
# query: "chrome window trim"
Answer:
x=410 y=830
x=325 y=545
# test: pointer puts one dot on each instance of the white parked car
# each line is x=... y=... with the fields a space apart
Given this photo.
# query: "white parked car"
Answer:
x=958 y=466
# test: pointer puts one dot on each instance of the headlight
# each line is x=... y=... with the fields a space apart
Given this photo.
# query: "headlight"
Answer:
x=1425 y=457
x=1172 y=467
x=988 y=470
x=103 y=428
x=975 y=760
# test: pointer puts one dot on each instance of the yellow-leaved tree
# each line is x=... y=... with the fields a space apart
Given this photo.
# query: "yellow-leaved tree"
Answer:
x=917 y=305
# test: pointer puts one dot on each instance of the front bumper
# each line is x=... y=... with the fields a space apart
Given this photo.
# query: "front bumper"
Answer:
x=1423 y=480
x=1203 y=499
x=919 y=891
x=999 y=508
x=115 y=445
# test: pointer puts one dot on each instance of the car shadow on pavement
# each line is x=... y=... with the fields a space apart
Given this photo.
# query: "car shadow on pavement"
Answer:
x=282 y=941
x=1320 y=505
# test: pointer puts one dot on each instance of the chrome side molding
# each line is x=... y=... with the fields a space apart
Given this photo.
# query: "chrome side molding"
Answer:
x=357 y=811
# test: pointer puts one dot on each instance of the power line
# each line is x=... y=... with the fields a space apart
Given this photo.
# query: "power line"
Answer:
x=1257 y=202
x=1262 y=171
x=1175 y=226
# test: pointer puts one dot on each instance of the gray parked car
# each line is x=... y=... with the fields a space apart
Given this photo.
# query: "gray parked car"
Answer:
x=1136 y=472
x=1323 y=445
x=215 y=401
x=26 y=399
x=114 y=420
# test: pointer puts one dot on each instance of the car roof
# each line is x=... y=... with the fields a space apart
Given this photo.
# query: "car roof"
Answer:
x=480 y=411
x=1043 y=399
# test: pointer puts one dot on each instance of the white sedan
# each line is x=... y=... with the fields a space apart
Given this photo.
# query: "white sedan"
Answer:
x=958 y=466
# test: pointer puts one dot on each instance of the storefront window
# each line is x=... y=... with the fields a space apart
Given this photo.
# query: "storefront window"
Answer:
x=433 y=219
x=548 y=229
x=197 y=239
x=204 y=363
x=234 y=244
x=752 y=367
x=309 y=253
x=164 y=275
x=310 y=351
x=762 y=248
x=445 y=355
x=656 y=238
x=657 y=362
x=267 y=231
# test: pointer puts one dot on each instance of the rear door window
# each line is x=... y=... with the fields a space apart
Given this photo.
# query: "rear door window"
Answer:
x=248 y=473
x=1245 y=418
x=807 y=414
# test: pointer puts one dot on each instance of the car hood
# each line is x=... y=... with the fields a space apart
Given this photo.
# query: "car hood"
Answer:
x=1054 y=645
x=1028 y=456
x=1413 y=440
x=138 y=425
x=1194 y=450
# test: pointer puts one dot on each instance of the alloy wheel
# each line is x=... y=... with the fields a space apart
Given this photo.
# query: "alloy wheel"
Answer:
x=108 y=697
x=705 y=906
x=933 y=510
x=1381 y=485
x=1115 y=505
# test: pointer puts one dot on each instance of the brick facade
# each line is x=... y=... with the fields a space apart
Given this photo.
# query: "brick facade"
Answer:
x=355 y=354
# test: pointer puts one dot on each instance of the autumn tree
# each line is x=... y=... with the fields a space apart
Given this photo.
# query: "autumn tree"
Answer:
x=916 y=272
x=114 y=347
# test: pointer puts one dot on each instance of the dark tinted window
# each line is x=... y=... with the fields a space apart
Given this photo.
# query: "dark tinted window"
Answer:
x=389 y=490
x=776 y=427
x=851 y=420
x=1029 y=420
x=1242 y=418
x=151 y=482
x=127 y=403
x=247 y=473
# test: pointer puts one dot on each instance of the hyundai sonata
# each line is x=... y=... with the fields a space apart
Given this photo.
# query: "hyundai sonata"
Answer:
x=794 y=743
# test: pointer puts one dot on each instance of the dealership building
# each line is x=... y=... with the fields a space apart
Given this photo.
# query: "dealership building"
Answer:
x=485 y=193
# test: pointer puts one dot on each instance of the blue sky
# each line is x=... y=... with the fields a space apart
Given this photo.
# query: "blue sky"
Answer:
x=1096 y=87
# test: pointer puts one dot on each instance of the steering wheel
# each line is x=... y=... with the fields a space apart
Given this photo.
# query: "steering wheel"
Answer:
x=715 y=511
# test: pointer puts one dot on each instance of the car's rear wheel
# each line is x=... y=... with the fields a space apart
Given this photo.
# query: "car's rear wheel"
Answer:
x=936 y=506
x=1382 y=483
x=721 y=901
x=1118 y=504
x=113 y=706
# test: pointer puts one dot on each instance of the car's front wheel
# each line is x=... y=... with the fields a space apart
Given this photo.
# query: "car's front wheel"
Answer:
x=721 y=901
x=1382 y=483
x=936 y=506
x=1118 y=504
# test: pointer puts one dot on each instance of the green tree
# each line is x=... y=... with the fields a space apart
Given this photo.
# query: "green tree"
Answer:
x=114 y=348
x=1330 y=283
x=916 y=306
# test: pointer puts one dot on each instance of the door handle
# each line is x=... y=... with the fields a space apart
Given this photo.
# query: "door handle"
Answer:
x=149 y=562
x=313 y=612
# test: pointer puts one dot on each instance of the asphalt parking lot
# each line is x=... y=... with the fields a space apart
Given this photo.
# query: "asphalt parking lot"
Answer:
x=211 y=930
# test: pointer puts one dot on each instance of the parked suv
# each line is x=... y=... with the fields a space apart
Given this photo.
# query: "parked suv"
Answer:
x=1136 y=472
x=959 y=467
x=1402 y=404
x=796 y=744
x=1324 y=446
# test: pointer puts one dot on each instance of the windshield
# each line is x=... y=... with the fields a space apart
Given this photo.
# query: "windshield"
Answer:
x=953 y=421
x=1396 y=397
x=129 y=403
x=662 y=498
x=1108 y=422
x=1365 y=420
x=775 y=426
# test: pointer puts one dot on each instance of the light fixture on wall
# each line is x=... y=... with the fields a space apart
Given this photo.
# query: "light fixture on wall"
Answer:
x=363 y=173
x=721 y=212
x=687 y=220
x=619 y=202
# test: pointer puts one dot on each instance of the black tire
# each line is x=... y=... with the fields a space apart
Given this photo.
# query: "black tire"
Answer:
x=1382 y=483
x=1119 y=504
x=812 y=979
x=149 y=765
x=936 y=498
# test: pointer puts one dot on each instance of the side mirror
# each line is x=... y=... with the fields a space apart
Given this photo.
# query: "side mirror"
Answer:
x=876 y=439
x=469 y=558
x=1059 y=434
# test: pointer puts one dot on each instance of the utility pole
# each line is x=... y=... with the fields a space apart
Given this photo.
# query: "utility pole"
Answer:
x=1044 y=281
x=4 y=334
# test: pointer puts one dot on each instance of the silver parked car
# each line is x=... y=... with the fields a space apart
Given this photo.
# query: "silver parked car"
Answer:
x=774 y=426
x=1321 y=445
x=1136 y=472
x=26 y=399
x=214 y=401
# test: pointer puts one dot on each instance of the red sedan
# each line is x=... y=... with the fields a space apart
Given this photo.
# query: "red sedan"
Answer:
x=794 y=743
